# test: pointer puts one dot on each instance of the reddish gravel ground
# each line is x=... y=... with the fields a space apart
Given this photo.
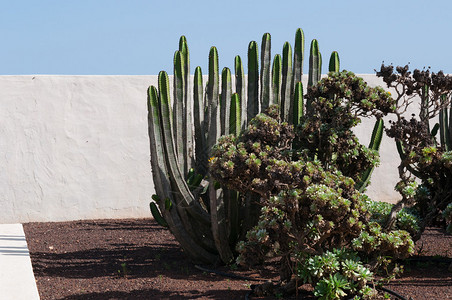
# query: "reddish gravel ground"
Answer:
x=138 y=259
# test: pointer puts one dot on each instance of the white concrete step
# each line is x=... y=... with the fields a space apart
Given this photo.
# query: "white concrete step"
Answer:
x=17 y=280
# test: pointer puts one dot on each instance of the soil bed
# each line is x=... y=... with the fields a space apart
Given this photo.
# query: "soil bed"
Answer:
x=138 y=259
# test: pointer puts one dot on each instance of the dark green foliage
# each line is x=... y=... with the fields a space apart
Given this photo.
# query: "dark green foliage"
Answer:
x=337 y=104
x=407 y=218
x=308 y=195
x=421 y=154
x=337 y=273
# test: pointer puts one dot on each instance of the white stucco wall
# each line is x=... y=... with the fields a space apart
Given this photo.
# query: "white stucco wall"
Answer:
x=76 y=147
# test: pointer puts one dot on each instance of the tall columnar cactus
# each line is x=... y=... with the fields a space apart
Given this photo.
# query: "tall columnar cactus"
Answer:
x=206 y=219
x=286 y=87
x=253 y=81
x=240 y=89
x=445 y=125
x=276 y=79
x=315 y=67
x=265 y=94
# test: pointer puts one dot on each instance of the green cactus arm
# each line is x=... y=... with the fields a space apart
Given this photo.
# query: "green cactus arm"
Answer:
x=183 y=47
x=444 y=126
x=374 y=144
x=298 y=56
x=201 y=153
x=235 y=115
x=158 y=161
x=217 y=212
x=253 y=81
x=163 y=187
x=219 y=224
x=319 y=73
x=184 y=199
x=334 y=62
x=186 y=205
x=276 y=79
x=435 y=129
x=179 y=115
x=225 y=103
x=240 y=89
x=213 y=100
x=314 y=63
x=265 y=79
x=156 y=214
x=188 y=103
x=377 y=135
x=365 y=180
x=298 y=104
x=286 y=88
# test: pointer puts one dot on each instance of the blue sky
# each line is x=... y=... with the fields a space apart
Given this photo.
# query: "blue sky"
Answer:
x=137 y=37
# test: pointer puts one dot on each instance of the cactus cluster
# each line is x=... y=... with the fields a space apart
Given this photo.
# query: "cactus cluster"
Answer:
x=205 y=218
x=186 y=196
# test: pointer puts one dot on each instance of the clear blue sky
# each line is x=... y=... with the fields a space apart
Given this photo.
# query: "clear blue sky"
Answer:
x=139 y=37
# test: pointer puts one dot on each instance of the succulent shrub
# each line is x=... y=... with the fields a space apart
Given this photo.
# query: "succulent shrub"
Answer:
x=335 y=106
x=336 y=274
x=407 y=218
x=423 y=155
x=306 y=178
